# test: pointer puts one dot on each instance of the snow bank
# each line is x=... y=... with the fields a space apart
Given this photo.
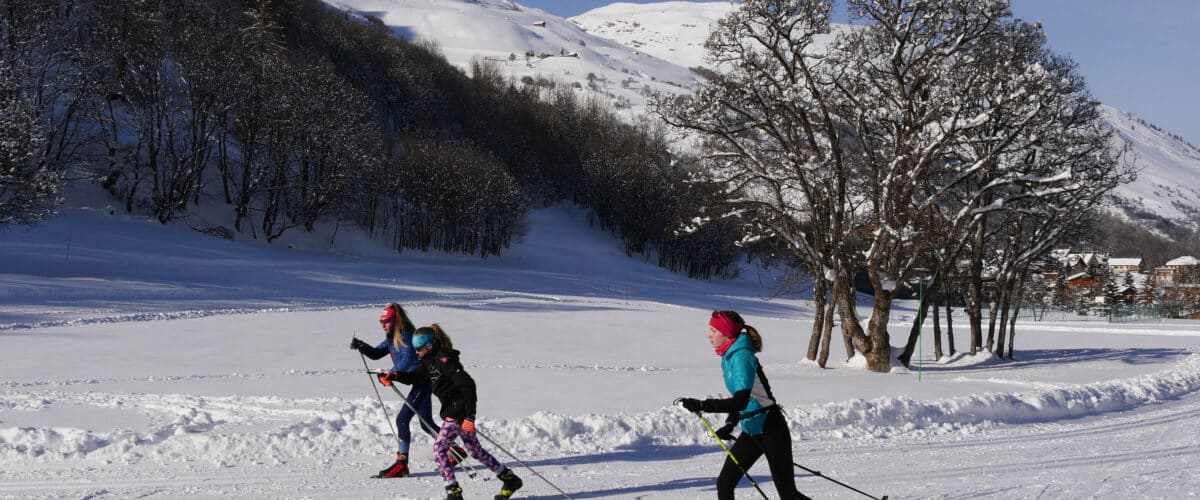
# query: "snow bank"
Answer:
x=241 y=429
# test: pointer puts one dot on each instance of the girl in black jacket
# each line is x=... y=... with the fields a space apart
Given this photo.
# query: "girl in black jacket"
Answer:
x=455 y=390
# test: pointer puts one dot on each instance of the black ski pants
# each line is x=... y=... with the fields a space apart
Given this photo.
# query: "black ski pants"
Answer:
x=776 y=443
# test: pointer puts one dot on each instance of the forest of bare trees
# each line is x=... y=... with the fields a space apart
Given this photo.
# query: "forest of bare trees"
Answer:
x=288 y=113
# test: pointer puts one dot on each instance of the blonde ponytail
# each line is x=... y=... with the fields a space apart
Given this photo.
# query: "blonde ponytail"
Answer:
x=402 y=324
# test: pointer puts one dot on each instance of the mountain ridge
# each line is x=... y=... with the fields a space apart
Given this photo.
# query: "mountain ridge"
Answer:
x=626 y=52
x=1164 y=198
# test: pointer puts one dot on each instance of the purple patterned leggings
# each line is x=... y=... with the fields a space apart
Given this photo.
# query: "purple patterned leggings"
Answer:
x=441 y=449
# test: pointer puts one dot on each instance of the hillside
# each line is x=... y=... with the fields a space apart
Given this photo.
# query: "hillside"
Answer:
x=527 y=42
x=1163 y=199
x=624 y=51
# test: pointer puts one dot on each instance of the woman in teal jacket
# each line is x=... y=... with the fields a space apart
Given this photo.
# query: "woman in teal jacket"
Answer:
x=764 y=430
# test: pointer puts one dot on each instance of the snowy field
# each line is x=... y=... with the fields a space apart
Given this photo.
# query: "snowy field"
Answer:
x=138 y=360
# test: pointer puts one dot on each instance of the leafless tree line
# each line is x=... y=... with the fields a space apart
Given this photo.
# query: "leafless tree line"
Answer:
x=937 y=142
x=290 y=113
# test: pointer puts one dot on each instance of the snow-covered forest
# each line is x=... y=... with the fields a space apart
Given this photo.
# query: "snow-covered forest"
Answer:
x=251 y=119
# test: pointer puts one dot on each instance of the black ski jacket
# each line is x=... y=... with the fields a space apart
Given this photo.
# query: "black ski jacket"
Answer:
x=454 y=388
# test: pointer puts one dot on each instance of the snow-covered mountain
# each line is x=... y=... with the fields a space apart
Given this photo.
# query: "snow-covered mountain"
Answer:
x=1168 y=185
x=1167 y=189
x=626 y=51
x=527 y=42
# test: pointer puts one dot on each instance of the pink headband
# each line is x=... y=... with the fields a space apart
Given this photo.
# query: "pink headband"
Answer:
x=724 y=325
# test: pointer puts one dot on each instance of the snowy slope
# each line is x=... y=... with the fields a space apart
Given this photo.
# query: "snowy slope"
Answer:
x=1168 y=183
x=1168 y=187
x=141 y=360
x=671 y=31
x=503 y=32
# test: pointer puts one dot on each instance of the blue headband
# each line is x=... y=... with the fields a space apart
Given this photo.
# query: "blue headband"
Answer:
x=421 y=340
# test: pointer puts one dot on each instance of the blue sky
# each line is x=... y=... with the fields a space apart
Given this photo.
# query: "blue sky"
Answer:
x=1142 y=56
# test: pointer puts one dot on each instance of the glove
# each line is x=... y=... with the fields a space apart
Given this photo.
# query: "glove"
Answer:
x=691 y=404
x=468 y=426
x=386 y=378
x=725 y=433
x=358 y=345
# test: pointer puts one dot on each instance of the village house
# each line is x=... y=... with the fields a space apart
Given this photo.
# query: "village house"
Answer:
x=1081 y=281
x=1122 y=265
x=1079 y=262
x=1174 y=269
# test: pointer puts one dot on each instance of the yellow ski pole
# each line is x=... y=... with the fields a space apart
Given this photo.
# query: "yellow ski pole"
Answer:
x=712 y=432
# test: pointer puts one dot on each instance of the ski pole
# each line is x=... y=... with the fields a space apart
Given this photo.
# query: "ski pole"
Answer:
x=462 y=460
x=380 y=396
x=728 y=452
x=514 y=457
x=839 y=483
x=818 y=473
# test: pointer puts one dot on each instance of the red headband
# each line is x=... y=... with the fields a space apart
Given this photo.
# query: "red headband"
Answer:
x=389 y=314
x=724 y=325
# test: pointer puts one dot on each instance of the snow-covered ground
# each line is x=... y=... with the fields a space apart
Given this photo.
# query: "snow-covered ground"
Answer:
x=138 y=360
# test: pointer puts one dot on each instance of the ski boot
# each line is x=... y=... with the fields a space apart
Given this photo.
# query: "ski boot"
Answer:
x=398 y=469
x=511 y=483
x=453 y=492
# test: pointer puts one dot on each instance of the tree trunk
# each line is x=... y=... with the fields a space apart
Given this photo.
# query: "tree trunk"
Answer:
x=1004 y=308
x=879 y=358
x=849 y=341
x=994 y=309
x=856 y=338
x=950 y=328
x=937 y=329
x=826 y=336
x=974 y=297
x=1012 y=327
x=819 y=300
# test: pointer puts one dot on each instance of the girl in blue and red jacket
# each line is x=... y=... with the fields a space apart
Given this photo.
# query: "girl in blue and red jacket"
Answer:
x=398 y=331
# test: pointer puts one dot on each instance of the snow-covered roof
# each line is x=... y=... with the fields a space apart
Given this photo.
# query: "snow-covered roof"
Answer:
x=1086 y=258
x=1186 y=260
x=1125 y=261
x=1077 y=275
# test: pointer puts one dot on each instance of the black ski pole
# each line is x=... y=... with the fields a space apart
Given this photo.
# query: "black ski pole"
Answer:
x=522 y=462
x=462 y=460
x=380 y=396
x=713 y=433
x=839 y=483
x=818 y=473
